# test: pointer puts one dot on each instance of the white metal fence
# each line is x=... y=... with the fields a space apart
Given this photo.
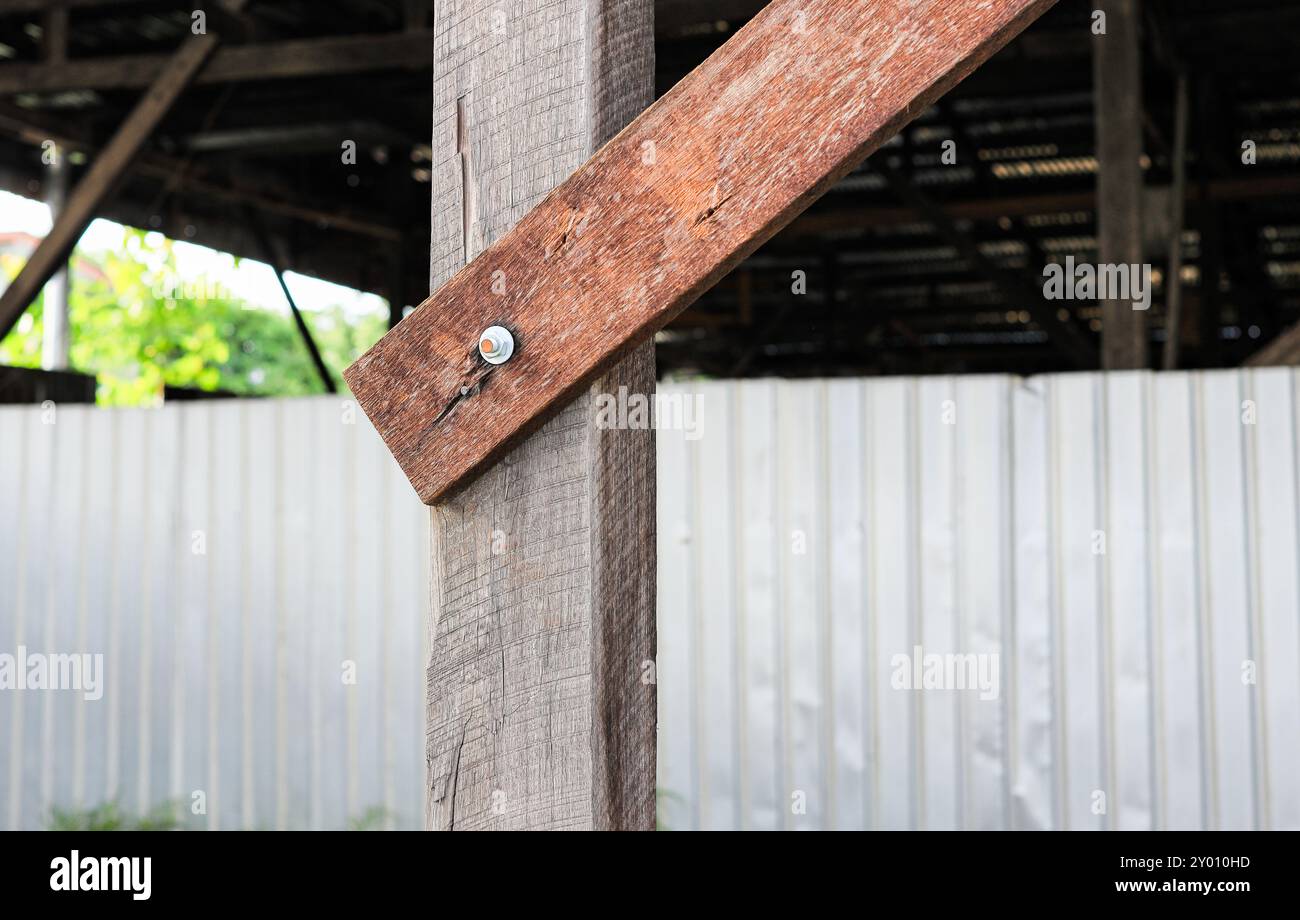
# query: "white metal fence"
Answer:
x=1122 y=548
x=227 y=558
x=1126 y=544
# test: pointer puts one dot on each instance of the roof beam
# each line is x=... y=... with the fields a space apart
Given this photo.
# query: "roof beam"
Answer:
x=311 y=57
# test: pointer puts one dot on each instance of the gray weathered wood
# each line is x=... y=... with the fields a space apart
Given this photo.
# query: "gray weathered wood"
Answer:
x=543 y=627
x=1117 y=78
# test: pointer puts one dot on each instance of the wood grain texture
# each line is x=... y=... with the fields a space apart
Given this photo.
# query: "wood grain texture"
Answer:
x=732 y=153
x=543 y=582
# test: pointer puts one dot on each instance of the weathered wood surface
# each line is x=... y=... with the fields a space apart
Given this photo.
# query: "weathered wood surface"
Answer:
x=1117 y=77
x=731 y=154
x=543 y=587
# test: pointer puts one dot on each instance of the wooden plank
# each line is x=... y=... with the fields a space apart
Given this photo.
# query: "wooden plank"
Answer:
x=744 y=143
x=297 y=58
x=1117 y=77
x=541 y=701
x=102 y=177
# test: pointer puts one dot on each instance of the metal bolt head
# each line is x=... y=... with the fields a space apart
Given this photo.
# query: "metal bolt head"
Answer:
x=496 y=344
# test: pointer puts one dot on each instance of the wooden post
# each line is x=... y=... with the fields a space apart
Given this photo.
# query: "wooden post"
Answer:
x=1117 y=79
x=541 y=704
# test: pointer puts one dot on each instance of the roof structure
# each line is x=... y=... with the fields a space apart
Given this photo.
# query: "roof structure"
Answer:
x=911 y=264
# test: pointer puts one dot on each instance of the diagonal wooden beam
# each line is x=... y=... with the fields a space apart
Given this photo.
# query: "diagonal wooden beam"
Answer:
x=742 y=145
x=308 y=57
x=106 y=171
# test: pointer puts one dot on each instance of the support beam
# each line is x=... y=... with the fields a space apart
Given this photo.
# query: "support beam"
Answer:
x=309 y=57
x=1117 y=79
x=540 y=713
x=103 y=176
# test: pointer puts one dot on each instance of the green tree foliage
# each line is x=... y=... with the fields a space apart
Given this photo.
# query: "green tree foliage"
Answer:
x=139 y=327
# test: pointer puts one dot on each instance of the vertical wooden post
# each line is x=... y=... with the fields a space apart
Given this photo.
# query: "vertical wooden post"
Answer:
x=1117 y=80
x=541 y=701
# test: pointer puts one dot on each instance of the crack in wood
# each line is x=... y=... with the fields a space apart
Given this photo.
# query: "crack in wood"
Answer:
x=455 y=778
x=467 y=389
x=571 y=230
x=710 y=210
x=468 y=211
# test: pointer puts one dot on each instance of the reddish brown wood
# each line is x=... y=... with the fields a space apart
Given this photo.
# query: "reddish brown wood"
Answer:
x=731 y=154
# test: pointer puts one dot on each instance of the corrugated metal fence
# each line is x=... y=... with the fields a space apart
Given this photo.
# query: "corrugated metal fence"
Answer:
x=1115 y=557
x=235 y=563
x=1124 y=544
